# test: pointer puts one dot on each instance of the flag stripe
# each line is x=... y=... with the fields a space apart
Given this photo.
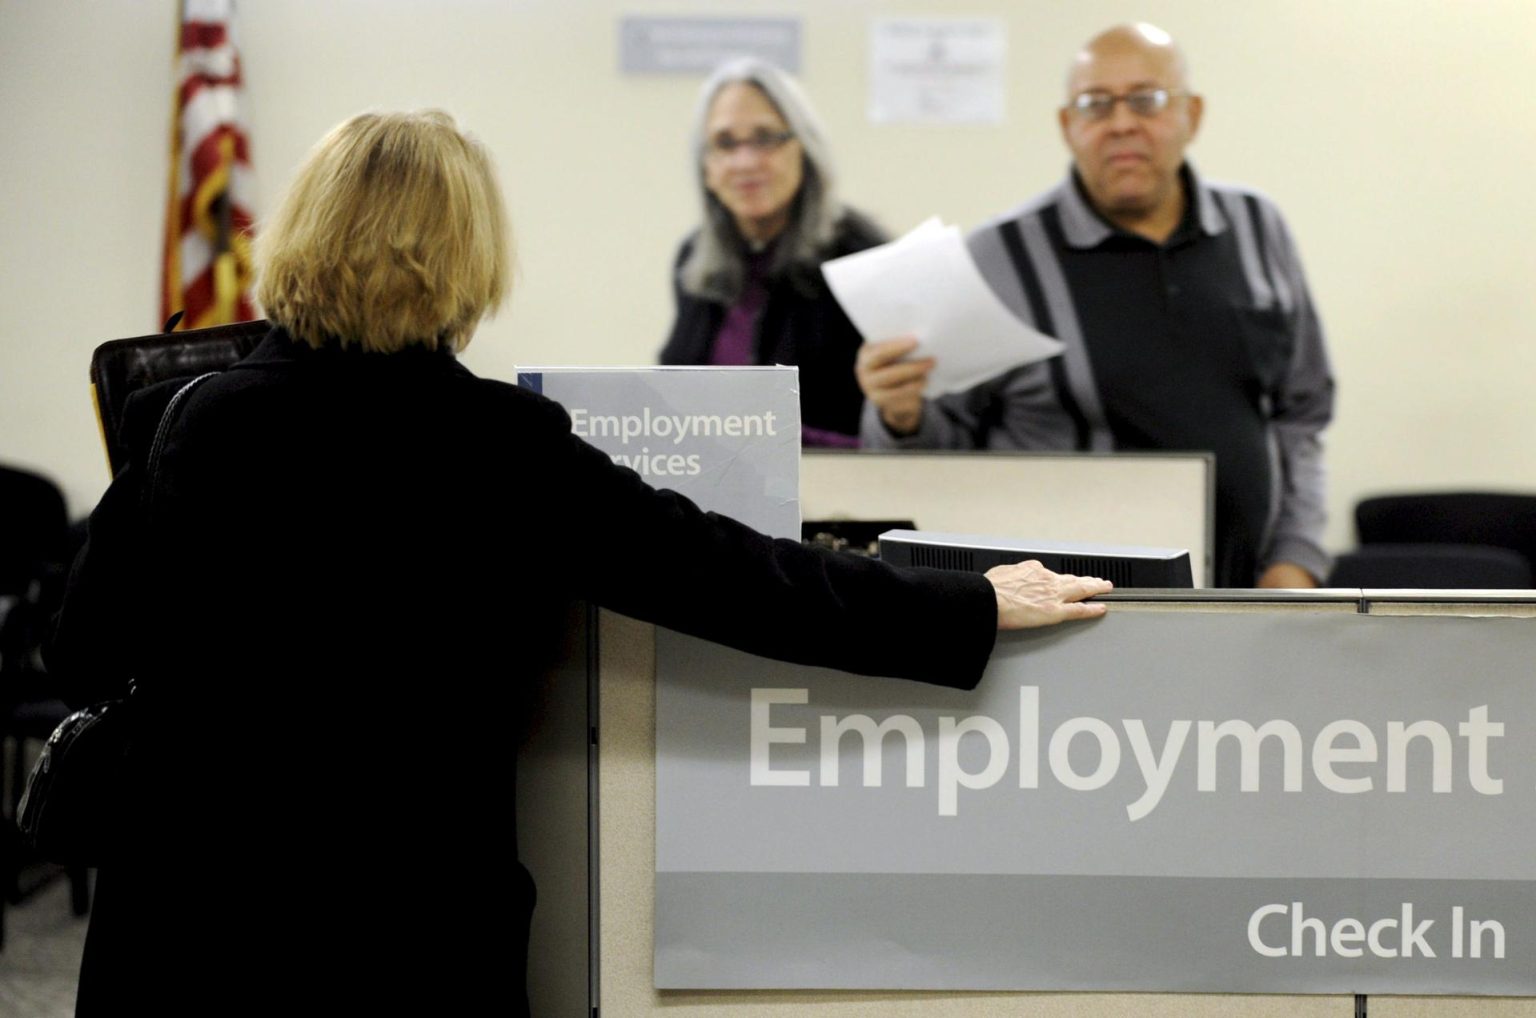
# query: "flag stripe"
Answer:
x=190 y=87
x=202 y=34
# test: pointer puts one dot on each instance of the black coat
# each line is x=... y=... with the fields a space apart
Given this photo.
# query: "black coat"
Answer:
x=351 y=563
x=801 y=323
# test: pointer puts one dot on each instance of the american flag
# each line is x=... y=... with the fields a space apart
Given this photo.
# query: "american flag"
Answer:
x=208 y=218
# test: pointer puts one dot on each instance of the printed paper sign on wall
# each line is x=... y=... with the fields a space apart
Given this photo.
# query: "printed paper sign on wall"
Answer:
x=937 y=70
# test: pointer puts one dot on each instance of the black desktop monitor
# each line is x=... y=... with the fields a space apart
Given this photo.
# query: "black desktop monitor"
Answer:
x=1123 y=565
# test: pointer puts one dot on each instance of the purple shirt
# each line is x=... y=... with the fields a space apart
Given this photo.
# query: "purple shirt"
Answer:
x=736 y=341
x=735 y=344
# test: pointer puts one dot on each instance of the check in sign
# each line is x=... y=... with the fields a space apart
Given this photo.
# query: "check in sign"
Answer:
x=1239 y=802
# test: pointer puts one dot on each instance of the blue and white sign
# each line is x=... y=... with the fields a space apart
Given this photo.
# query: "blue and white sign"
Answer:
x=651 y=44
x=728 y=438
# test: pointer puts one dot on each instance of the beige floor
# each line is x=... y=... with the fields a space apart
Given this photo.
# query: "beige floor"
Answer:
x=41 y=957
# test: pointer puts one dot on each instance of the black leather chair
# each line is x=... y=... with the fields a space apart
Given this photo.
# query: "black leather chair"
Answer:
x=123 y=365
x=1432 y=566
x=35 y=549
x=1502 y=520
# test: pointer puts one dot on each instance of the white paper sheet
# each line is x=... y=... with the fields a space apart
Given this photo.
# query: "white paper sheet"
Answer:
x=925 y=284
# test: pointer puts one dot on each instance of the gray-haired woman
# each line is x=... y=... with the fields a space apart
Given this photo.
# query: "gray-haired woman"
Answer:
x=748 y=280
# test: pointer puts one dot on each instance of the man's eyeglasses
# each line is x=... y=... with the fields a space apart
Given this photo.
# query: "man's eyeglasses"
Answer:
x=1144 y=102
x=761 y=142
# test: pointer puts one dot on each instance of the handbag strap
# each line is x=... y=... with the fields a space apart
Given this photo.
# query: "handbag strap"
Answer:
x=164 y=428
x=146 y=495
x=170 y=415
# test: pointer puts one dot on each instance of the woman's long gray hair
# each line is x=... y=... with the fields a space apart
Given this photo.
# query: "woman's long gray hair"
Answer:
x=716 y=266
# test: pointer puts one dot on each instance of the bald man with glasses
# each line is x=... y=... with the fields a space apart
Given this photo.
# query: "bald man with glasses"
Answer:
x=1182 y=306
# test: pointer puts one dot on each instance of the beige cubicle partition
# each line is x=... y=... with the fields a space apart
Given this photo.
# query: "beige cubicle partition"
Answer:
x=1398 y=602
x=1161 y=500
x=626 y=834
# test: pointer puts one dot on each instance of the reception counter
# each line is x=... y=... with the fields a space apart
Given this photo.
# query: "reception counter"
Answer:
x=625 y=787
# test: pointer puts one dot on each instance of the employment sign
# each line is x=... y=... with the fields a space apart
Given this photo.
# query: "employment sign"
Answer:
x=1234 y=802
x=728 y=438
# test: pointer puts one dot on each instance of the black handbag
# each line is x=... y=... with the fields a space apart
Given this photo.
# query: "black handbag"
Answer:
x=72 y=809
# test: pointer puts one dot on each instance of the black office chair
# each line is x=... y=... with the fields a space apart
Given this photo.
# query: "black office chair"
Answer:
x=1489 y=518
x=1432 y=566
x=120 y=366
x=35 y=548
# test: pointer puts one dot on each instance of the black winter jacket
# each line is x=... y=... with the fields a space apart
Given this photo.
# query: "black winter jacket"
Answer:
x=351 y=566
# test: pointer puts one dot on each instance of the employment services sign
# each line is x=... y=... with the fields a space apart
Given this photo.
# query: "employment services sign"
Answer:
x=727 y=438
x=1232 y=802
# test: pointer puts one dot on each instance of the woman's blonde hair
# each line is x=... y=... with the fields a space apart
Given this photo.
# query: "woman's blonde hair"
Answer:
x=392 y=234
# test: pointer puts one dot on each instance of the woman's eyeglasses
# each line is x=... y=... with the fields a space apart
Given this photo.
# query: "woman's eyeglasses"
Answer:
x=760 y=142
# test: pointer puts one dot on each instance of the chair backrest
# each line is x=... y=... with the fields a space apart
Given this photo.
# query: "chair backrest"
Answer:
x=1432 y=566
x=34 y=540
x=121 y=366
x=34 y=527
x=1490 y=518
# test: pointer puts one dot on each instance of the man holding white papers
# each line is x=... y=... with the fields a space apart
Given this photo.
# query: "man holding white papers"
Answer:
x=1181 y=305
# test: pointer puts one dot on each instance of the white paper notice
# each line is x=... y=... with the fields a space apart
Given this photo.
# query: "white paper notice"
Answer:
x=937 y=70
x=925 y=284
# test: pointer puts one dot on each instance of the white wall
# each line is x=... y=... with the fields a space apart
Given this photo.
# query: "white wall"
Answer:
x=1396 y=134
